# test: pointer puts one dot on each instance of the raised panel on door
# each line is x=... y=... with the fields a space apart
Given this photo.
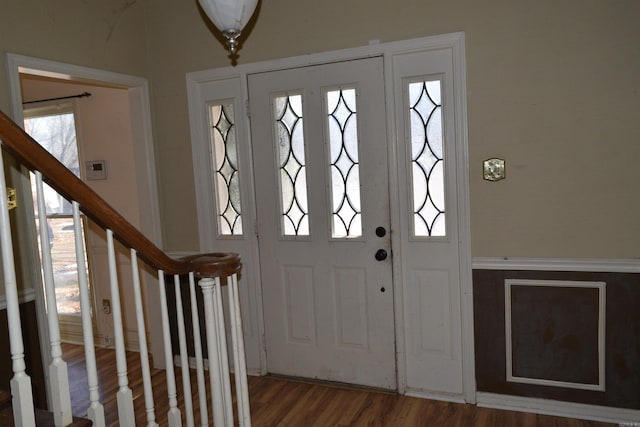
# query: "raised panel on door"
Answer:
x=328 y=303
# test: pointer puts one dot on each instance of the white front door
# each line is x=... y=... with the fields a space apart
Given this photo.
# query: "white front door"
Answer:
x=322 y=196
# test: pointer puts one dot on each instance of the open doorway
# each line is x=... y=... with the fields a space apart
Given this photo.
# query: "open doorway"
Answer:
x=52 y=123
x=113 y=127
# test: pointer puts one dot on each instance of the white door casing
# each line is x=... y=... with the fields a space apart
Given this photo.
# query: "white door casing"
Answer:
x=138 y=92
x=327 y=311
x=201 y=98
x=418 y=343
x=430 y=266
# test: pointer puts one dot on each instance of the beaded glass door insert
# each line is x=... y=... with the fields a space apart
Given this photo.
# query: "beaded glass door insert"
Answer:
x=225 y=164
x=427 y=159
x=345 y=169
x=293 y=180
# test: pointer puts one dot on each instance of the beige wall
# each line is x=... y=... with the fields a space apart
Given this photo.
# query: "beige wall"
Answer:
x=553 y=87
x=101 y=34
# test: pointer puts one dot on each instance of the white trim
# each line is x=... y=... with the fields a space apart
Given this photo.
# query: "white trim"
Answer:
x=443 y=397
x=177 y=361
x=138 y=89
x=24 y=296
x=557 y=408
x=419 y=44
x=452 y=41
x=558 y=264
x=464 y=220
x=600 y=386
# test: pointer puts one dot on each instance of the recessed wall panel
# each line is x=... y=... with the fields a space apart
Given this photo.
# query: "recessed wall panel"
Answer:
x=555 y=333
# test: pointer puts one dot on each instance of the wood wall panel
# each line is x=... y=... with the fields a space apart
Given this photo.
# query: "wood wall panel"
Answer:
x=31 y=350
x=621 y=346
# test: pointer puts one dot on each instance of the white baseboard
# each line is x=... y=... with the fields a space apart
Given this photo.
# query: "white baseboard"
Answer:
x=192 y=365
x=422 y=394
x=623 y=416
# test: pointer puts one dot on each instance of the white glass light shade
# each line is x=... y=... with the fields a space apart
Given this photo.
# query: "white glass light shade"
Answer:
x=229 y=16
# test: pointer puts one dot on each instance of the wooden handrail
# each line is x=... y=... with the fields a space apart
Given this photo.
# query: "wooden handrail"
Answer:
x=31 y=154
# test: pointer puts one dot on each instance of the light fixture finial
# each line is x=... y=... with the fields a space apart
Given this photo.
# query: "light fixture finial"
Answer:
x=230 y=17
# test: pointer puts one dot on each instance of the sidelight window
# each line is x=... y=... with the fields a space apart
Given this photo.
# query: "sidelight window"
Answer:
x=225 y=164
x=427 y=158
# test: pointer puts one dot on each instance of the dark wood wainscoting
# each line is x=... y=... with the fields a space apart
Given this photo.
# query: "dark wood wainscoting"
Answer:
x=31 y=349
x=553 y=320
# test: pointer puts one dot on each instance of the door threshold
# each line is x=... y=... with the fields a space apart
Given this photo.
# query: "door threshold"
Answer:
x=333 y=384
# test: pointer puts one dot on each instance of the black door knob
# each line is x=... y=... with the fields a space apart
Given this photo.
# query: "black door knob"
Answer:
x=381 y=254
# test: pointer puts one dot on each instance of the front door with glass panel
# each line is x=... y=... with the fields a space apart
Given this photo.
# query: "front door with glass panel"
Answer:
x=321 y=177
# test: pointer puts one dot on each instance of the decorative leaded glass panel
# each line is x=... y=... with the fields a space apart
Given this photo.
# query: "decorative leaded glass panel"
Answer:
x=293 y=180
x=427 y=159
x=345 y=172
x=225 y=164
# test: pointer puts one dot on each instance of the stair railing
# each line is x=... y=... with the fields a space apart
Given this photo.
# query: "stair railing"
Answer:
x=213 y=271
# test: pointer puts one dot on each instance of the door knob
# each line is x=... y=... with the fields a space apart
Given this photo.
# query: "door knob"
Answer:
x=381 y=255
x=380 y=231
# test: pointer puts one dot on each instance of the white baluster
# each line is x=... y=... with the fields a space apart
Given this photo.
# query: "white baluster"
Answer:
x=239 y=360
x=142 y=338
x=59 y=395
x=174 y=413
x=207 y=286
x=23 y=411
x=224 y=358
x=197 y=344
x=184 y=357
x=126 y=414
x=95 y=412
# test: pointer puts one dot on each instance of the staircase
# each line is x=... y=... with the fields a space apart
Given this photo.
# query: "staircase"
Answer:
x=43 y=418
x=213 y=274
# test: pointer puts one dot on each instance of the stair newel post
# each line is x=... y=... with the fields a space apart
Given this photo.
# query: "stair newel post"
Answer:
x=23 y=410
x=174 y=416
x=239 y=358
x=59 y=395
x=208 y=285
x=142 y=339
x=124 y=396
x=197 y=344
x=184 y=357
x=95 y=412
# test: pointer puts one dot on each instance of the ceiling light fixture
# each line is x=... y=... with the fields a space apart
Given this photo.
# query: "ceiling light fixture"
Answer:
x=230 y=17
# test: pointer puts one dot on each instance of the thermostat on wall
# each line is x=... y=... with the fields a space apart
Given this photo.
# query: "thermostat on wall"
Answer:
x=95 y=170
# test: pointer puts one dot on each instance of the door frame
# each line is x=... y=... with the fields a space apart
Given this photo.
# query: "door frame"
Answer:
x=139 y=99
x=238 y=75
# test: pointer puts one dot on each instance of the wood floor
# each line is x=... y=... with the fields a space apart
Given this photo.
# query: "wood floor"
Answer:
x=281 y=402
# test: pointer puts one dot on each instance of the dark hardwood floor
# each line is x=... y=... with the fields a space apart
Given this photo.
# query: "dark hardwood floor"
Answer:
x=283 y=402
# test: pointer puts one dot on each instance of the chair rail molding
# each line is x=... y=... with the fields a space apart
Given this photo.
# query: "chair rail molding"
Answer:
x=557 y=264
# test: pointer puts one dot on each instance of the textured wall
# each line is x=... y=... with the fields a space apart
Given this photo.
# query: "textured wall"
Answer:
x=553 y=87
